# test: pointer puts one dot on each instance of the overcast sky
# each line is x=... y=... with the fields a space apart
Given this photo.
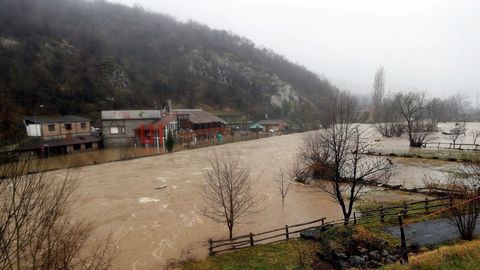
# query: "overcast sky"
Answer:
x=428 y=45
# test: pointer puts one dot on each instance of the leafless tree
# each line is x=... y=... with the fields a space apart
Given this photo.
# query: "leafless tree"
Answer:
x=454 y=137
x=456 y=132
x=378 y=90
x=36 y=229
x=283 y=183
x=387 y=118
x=339 y=154
x=463 y=190
x=475 y=135
x=228 y=191
x=435 y=108
x=412 y=107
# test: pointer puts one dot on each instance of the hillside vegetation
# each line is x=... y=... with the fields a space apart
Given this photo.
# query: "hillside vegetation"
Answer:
x=78 y=57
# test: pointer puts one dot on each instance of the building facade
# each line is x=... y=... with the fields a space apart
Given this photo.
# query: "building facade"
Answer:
x=50 y=135
x=119 y=128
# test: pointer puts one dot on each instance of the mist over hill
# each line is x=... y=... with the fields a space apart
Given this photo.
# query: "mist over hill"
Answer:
x=79 y=57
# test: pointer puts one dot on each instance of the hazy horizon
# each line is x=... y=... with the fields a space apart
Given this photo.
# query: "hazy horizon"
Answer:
x=425 y=45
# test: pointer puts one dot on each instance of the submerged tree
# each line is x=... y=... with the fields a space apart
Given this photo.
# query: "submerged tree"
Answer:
x=412 y=107
x=282 y=183
x=386 y=117
x=339 y=154
x=228 y=191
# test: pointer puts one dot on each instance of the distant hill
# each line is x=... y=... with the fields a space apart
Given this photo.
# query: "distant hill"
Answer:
x=78 y=57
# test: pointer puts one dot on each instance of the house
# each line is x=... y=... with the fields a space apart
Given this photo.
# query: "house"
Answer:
x=150 y=127
x=59 y=134
x=274 y=125
x=121 y=127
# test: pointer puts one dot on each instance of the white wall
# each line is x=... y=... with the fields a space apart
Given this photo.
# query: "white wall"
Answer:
x=34 y=130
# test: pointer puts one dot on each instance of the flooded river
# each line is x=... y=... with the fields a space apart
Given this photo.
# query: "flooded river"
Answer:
x=151 y=224
x=152 y=205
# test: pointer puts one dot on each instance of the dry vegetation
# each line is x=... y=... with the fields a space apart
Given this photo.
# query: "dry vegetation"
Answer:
x=36 y=228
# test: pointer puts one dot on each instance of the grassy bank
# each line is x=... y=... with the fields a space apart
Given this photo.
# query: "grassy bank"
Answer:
x=294 y=254
x=464 y=255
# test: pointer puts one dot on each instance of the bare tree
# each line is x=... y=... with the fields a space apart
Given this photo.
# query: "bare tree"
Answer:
x=463 y=190
x=412 y=107
x=339 y=154
x=475 y=135
x=386 y=117
x=228 y=191
x=456 y=132
x=36 y=230
x=283 y=183
x=435 y=108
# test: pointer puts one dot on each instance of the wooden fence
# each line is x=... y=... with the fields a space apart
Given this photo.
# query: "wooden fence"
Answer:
x=286 y=233
x=458 y=146
x=252 y=239
x=426 y=206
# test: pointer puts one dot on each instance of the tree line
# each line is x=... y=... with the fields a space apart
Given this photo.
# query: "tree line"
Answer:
x=412 y=112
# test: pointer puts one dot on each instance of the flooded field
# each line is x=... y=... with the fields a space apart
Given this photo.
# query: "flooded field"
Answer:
x=152 y=205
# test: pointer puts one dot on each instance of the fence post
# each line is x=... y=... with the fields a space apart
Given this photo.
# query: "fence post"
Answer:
x=251 y=240
x=323 y=221
x=405 y=207
x=210 y=248
x=426 y=205
x=286 y=232
x=382 y=215
x=354 y=219
x=402 y=236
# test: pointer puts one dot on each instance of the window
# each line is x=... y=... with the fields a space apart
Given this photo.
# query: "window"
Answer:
x=88 y=145
x=51 y=127
x=77 y=147
x=68 y=126
x=83 y=125
x=117 y=130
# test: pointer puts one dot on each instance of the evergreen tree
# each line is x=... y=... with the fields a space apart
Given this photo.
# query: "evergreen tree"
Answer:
x=170 y=141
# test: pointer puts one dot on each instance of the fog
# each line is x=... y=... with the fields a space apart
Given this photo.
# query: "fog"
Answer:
x=427 y=45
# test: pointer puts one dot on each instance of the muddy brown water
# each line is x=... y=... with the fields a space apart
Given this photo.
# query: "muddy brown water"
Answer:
x=150 y=224
x=152 y=206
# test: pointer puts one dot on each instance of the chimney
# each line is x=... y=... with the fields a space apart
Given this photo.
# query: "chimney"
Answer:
x=169 y=105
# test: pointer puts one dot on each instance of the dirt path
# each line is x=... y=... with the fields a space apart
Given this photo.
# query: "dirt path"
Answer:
x=151 y=224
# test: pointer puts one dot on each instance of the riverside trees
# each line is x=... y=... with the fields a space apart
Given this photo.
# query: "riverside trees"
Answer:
x=338 y=155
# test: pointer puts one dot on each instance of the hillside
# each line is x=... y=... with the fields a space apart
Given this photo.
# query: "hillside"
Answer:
x=78 y=57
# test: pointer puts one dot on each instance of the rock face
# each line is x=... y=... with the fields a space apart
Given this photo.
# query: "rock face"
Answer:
x=227 y=70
